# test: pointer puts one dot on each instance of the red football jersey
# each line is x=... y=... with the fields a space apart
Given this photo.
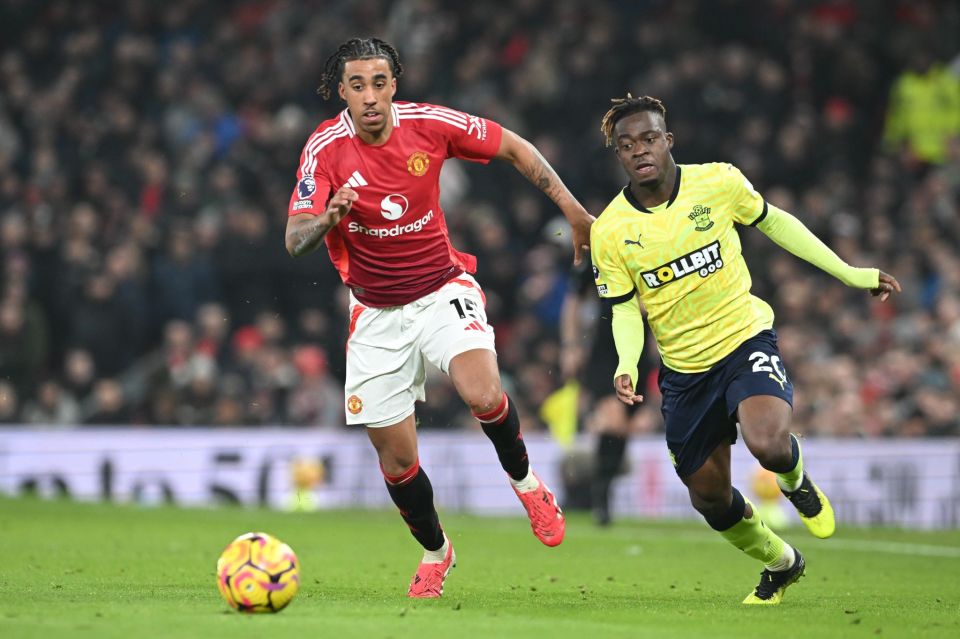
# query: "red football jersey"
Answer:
x=393 y=246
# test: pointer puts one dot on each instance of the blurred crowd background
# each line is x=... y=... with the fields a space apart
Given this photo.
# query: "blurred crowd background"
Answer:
x=148 y=151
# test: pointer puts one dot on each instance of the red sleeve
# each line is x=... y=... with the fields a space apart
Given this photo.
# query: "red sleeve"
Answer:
x=312 y=191
x=476 y=139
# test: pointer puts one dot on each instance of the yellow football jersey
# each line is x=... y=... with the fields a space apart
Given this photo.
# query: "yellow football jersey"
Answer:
x=684 y=259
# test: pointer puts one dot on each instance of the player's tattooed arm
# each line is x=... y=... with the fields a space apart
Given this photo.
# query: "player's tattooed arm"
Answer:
x=305 y=232
x=542 y=175
x=532 y=165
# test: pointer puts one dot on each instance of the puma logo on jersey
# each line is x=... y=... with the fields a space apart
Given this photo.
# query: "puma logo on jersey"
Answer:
x=637 y=241
x=704 y=261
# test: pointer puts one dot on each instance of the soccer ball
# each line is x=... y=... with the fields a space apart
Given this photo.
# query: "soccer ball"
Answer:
x=258 y=573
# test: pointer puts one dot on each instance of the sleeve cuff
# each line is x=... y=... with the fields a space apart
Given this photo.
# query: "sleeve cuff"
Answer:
x=763 y=214
x=620 y=299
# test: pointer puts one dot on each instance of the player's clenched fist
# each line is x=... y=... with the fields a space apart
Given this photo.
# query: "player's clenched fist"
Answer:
x=625 y=392
x=339 y=205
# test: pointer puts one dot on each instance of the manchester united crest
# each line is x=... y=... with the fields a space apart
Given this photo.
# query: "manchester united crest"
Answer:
x=354 y=405
x=418 y=163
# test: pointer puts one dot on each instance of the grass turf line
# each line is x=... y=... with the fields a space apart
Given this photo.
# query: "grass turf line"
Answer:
x=94 y=570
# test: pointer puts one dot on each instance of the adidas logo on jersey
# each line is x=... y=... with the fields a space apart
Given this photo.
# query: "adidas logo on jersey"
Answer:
x=705 y=260
x=355 y=180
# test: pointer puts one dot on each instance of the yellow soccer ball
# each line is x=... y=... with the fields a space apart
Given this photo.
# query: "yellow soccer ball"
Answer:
x=258 y=573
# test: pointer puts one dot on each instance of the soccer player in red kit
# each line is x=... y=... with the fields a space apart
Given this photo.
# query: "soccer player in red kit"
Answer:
x=368 y=187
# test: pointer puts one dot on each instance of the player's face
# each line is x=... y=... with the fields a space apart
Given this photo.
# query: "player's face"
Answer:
x=643 y=147
x=368 y=87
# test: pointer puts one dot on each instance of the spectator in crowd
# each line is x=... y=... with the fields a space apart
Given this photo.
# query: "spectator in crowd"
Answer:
x=107 y=405
x=9 y=403
x=924 y=113
x=53 y=406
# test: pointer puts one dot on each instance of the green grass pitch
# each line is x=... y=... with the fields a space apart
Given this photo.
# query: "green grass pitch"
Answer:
x=90 y=570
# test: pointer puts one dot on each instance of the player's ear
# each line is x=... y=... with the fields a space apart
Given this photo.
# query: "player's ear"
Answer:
x=341 y=91
x=669 y=137
x=393 y=87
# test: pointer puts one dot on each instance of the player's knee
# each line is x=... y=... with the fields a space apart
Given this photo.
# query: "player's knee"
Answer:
x=396 y=468
x=774 y=459
x=711 y=502
x=397 y=465
x=771 y=446
x=484 y=399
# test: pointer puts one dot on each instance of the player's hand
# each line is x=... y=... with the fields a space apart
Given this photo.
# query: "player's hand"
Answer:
x=888 y=284
x=581 y=235
x=625 y=392
x=339 y=205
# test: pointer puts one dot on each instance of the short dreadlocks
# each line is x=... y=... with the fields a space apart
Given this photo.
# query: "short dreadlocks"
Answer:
x=628 y=106
x=356 y=49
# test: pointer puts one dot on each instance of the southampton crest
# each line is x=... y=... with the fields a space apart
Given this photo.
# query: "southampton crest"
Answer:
x=701 y=216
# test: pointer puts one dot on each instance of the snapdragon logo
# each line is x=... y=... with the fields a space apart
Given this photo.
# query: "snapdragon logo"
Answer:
x=704 y=261
x=393 y=206
x=392 y=231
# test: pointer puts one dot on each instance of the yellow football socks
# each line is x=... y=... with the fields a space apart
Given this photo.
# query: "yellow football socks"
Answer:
x=753 y=537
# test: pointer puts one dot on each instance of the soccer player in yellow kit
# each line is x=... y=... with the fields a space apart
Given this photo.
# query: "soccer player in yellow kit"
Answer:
x=668 y=241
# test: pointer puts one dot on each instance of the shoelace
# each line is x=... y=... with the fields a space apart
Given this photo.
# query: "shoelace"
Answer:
x=768 y=584
x=805 y=499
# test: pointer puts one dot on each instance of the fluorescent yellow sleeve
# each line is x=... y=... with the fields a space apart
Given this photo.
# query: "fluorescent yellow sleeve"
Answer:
x=628 y=336
x=791 y=234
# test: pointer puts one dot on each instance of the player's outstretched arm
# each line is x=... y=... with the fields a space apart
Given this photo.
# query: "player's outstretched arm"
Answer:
x=791 y=234
x=533 y=166
x=306 y=231
x=628 y=337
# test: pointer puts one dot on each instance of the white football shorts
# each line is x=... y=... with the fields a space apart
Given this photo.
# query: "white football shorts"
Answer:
x=387 y=347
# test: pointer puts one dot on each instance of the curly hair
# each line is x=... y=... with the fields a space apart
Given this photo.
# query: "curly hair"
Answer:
x=627 y=106
x=356 y=49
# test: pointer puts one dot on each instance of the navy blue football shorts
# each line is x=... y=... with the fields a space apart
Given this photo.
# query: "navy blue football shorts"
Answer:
x=700 y=409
